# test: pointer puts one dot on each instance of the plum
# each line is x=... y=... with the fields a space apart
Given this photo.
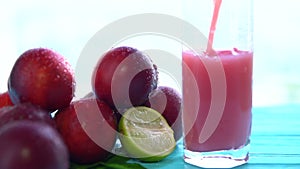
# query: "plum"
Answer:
x=24 y=111
x=32 y=145
x=124 y=77
x=88 y=127
x=168 y=101
x=5 y=100
x=42 y=77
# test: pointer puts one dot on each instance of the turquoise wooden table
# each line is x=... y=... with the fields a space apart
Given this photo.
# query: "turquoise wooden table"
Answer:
x=275 y=141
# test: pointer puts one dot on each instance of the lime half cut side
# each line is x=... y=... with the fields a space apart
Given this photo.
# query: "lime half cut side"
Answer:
x=146 y=135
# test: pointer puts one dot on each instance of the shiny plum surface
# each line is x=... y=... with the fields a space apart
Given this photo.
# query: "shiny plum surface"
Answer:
x=124 y=77
x=32 y=145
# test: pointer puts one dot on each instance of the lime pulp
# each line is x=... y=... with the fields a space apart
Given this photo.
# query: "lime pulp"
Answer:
x=145 y=134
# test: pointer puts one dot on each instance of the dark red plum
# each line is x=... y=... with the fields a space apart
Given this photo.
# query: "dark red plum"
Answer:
x=124 y=77
x=88 y=127
x=25 y=111
x=32 y=145
x=5 y=100
x=42 y=77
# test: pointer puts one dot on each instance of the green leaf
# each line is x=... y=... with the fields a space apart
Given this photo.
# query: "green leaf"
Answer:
x=115 y=162
x=122 y=166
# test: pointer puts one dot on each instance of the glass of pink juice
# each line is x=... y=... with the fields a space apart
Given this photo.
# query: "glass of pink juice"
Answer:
x=230 y=128
x=217 y=92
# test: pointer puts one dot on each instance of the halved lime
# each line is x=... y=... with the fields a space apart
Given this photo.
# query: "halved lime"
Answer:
x=146 y=135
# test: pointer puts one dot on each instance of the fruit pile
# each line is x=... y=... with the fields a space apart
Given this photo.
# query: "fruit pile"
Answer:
x=43 y=126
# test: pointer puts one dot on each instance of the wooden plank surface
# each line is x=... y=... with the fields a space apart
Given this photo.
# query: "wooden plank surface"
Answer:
x=276 y=135
x=275 y=141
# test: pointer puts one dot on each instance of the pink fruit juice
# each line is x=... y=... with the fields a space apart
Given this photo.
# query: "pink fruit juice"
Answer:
x=232 y=130
x=217 y=117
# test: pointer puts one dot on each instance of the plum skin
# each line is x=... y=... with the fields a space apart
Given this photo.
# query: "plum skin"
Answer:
x=5 y=100
x=124 y=77
x=24 y=111
x=42 y=77
x=81 y=120
x=32 y=145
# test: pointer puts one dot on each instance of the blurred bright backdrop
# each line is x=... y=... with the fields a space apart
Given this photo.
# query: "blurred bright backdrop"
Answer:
x=66 y=26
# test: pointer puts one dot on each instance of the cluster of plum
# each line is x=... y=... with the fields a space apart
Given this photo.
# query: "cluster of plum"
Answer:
x=43 y=126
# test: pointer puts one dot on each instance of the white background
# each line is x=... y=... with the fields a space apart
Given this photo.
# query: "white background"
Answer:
x=66 y=26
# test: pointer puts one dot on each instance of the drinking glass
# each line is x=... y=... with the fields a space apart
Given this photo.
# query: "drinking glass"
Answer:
x=217 y=83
